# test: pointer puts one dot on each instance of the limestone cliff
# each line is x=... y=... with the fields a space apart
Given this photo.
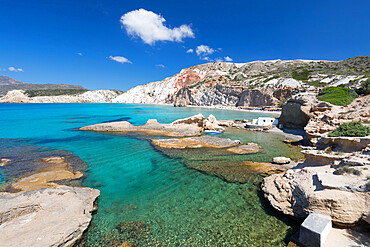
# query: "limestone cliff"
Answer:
x=256 y=84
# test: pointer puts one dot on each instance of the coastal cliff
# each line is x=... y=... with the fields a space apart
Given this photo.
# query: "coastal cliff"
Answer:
x=252 y=84
x=255 y=84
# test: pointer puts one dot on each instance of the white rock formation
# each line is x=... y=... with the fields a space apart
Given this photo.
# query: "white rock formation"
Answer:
x=45 y=217
x=97 y=96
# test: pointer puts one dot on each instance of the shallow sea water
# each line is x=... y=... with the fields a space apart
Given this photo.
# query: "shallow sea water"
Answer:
x=181 y=206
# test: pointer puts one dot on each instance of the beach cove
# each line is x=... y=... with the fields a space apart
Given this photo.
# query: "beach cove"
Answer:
x=138 y=183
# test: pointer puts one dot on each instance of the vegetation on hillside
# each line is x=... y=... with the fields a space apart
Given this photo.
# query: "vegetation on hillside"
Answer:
x=54 y=92
x=365 y=87
x=354 y=129
x=301 y=75
x=25 y=86
x=337 y=95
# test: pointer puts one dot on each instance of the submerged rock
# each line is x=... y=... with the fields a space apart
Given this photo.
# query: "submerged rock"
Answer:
x=4 y=162
x=134 y=230
x=195 y=142
x=235 y=172
x=249 y=148
x=46 y=217
x=56 y=169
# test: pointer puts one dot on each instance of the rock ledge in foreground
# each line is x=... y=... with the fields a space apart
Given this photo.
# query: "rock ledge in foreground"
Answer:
x=46 y=217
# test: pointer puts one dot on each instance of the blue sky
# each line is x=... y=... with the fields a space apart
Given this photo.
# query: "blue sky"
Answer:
x=40 y=41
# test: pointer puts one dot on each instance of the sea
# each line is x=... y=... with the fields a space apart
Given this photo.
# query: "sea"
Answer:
x=167 y=202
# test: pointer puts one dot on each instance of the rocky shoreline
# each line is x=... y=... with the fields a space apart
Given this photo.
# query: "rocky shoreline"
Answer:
x=333 y=179
x=43 y=204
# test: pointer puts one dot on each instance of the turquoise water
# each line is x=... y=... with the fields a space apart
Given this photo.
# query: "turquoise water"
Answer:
x=180 y=206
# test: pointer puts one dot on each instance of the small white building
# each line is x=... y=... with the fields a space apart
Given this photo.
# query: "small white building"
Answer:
x=262 y=122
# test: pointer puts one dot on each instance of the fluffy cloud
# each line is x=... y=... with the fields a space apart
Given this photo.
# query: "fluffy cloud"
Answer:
x=119 y=59
x=15 y=69
x=80 y=54
x=160 y=65
x=228 y=59
x=150 y=27
x=203 y=50
x=190 y=51
x=207 y=59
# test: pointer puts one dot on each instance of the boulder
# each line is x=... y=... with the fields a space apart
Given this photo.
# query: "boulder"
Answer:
x=211 y=123
x=196 y=119
x=281 y=160
x=46 y=217
x=298 y=192
x=295 y=113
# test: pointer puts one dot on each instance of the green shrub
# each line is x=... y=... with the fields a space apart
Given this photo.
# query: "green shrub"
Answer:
x=365 y=87
x=301 y=75
x=351 y=129
x=337 y=95
x=348 y=170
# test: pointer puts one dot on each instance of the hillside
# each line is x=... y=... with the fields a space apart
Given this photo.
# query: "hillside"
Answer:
x=6 y=80
x=8 y=84
x=259 y=83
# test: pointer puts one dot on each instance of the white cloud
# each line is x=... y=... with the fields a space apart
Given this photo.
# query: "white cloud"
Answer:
x=207 y=59
x=203 y=50
x=119 y=59
x=150 y=27
x=160 y=65
x=228 y=59
x=80 y=54
x=190 y=51
x=15 y=69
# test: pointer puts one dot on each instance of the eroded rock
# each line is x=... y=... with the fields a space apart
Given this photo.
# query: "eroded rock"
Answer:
x=152 y=127
x=298 y=192
x=45 y=217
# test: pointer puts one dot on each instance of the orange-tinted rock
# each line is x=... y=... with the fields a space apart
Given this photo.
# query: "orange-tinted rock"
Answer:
x=195 y=142
x=56 y=169
x=126 y=244
x=249 y=148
